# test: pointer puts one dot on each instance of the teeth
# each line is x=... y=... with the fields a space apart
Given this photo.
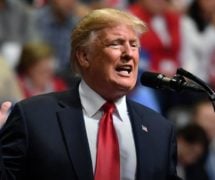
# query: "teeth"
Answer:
x=124 y=72
x=126 y=69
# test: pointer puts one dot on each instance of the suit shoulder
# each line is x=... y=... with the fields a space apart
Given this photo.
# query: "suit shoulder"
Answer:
x=143 y=109
x=50 y=98
x=145 y=112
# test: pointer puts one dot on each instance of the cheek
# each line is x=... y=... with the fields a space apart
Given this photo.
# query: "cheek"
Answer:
x=104 y=61
x=136 y=60
x=41 y=74
x=32 y=72
x=137 y=57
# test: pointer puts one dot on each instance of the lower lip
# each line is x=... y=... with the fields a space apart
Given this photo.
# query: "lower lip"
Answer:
x=124 y=73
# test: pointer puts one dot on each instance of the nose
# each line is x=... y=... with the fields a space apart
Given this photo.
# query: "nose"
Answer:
x=126 y=52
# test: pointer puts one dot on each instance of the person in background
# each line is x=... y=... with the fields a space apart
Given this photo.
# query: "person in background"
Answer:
x=36 y=70
x=92 y=131
x=161 y=43
x=204 y=24
x=198 y=38
x=180 y=6
x=192 y=144
x=9 y=88
x=204 y=116
x=118 y=4
x=61 y=17
x=16 y=22
x=4 y=112
x=16 y=28
x=36 y=3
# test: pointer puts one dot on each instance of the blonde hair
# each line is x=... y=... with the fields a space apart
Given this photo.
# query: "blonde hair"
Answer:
x=97 y=20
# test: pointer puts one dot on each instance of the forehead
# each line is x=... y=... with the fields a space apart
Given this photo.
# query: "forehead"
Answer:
x=122 y=31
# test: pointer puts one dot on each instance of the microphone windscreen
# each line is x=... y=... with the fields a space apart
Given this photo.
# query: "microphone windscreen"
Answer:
x=149 y=79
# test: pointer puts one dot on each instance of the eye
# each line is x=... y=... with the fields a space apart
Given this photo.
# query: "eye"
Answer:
x=134 y=44
x=114 y=44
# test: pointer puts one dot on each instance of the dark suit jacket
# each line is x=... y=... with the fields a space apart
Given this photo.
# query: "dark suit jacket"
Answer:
x=45 y=139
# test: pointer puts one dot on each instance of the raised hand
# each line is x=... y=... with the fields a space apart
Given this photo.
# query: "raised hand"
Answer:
x=4 y=112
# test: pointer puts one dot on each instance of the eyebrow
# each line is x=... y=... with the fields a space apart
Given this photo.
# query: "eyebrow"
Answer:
x=120 y=39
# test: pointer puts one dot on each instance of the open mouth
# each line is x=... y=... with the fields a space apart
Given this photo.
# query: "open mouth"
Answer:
x=124 y=69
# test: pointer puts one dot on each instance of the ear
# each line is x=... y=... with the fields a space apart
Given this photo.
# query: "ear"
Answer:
x=81 y=56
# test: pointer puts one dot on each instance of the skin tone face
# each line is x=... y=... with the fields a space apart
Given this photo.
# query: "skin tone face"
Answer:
x=41 y=73
x=205 y=117
x=188 y=153
x=110 y=64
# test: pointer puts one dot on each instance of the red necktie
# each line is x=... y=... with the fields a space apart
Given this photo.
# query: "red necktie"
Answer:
x=107 y=160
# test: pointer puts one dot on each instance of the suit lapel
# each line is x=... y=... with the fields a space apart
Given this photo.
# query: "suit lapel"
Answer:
x=141 y=132
x=74 y=133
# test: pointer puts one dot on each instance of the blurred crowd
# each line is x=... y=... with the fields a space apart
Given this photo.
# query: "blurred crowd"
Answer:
x=35 y=59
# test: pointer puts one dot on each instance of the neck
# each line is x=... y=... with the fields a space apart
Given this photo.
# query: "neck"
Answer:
x=105 y=93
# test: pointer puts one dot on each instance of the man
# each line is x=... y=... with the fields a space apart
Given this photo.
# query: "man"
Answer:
x=92 y=131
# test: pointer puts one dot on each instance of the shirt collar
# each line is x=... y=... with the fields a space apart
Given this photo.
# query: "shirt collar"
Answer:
x=92 y=102
x=121 y=107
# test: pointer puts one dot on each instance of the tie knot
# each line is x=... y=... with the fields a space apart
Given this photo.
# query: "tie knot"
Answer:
x=109 y=107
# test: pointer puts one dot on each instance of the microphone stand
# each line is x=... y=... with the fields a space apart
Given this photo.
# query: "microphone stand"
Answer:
x=181 y=73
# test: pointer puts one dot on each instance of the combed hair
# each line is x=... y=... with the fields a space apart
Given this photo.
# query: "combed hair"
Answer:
x=97 y=20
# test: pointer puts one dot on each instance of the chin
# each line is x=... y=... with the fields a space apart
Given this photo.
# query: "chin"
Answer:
x=125 y=87
x=118 y=90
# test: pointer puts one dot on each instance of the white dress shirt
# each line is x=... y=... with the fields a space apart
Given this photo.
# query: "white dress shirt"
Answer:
x=91 y=106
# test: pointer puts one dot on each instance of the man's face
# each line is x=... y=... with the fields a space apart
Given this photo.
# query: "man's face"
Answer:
x=112 y=61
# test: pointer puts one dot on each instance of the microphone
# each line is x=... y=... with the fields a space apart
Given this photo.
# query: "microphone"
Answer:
x=160 y=81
